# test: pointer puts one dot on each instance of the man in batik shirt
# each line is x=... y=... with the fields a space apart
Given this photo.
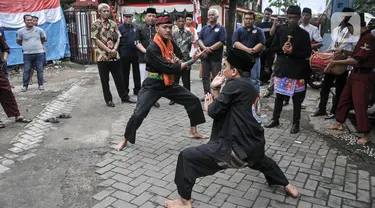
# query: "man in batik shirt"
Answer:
x=106 y=36
x=183 y=38
x=292 y=43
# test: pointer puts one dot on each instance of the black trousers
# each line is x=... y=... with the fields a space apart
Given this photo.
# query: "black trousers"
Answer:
x=185 y=76
x=326 y=89
x=105 y=67
x=297 y=102
x=207 y=67
x=193 y=164
x=152 y=90
x=125 y=65
x=266 y=61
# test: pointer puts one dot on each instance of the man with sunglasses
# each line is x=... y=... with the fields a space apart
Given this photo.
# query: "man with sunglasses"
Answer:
x=293 y=46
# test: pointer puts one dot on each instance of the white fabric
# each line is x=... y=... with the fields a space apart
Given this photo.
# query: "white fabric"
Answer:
x=313 y=31
x=143 y=72
x=338 y=36
x=159 y=9
x=12 y=20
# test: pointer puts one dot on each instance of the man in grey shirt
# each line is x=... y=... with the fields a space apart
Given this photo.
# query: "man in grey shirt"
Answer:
x=31 y=39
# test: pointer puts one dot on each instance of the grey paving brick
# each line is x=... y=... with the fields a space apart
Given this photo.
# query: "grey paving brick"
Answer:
x=140 y=188
x=339 y=180
x=363 y=174
x=200 y=197
x=159 y=191
x=357 y=204
x=273 y=196
x=123 y=196
x=27 y=156
x=122 y=186
x=261 y=202
x=331 y=186
x=105 y=169
x=322 y=193
x=334 y=201
x=232 y=192
x=135 y=182
x=154 y=174
x=105 y=203
x=342 y=194
x=313 y=200
x=122 y=178
x=244 y=185
x=107 y=175
x=339 y=171
x=141 y=199
x=301 y=165
x=221 y=196
x=255 y=179
x=105 y=162
x=364 y=184
x=212 y=190
x=351 y=177
x=363 y=196
x=107 y=182
x=216 y=202
x=284 y=163
x=303 y=204
x=122 y=204
x=225 y=183
x=292 y=170
x=157 y=182
x=137 y=173
x=306 y=192
x=136 y=165
x=301 y=177
x=341 y=161
x=350 y=187
x=106 y=192
x=206 y=181
x=311 y=184
x=237 y=177
x=240 y=201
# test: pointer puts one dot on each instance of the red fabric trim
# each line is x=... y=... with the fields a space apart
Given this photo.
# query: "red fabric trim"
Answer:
x=155 y=4
x=20 y=6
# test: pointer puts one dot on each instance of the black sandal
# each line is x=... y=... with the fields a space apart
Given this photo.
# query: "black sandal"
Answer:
x=23 y=120
x=2 y=125
x=64 y=115
x=52 y=120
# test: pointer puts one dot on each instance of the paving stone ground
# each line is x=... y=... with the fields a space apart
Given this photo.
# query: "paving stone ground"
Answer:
x=142 y=175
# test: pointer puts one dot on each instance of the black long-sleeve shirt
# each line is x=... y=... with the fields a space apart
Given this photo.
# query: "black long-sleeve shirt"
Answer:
x=155 y=62
x=237 y=124
x=3 y=48
x=292 y=65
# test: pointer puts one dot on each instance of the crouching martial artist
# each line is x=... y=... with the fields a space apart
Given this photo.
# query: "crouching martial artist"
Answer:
x=359 y=85
x=237 y=137
x=162 y=63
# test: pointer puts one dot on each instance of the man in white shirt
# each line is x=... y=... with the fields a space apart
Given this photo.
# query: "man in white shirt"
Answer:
x=195 y=37
x=343 y=41
x=315 y=37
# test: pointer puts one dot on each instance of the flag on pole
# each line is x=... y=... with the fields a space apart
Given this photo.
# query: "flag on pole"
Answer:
x=197 y=17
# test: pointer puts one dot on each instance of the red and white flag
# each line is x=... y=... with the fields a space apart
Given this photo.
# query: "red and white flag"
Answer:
x=197 y=17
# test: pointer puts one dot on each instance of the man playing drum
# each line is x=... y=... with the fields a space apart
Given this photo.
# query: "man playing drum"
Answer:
x=342 y=43
x=357 y=91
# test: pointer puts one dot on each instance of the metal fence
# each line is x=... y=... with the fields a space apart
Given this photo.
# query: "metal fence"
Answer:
x=79 y=23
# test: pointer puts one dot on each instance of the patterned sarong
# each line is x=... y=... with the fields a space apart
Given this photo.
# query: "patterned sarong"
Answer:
x=288 y=86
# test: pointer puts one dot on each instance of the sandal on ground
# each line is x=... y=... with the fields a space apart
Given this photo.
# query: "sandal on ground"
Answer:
x=23 y=120
x=2 y=125
x=52 y=120
x=64 y=115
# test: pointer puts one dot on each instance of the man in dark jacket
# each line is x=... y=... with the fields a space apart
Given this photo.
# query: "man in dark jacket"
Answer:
x=293 y=46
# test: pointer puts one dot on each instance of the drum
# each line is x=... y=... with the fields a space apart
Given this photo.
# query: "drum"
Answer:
x=319 y=61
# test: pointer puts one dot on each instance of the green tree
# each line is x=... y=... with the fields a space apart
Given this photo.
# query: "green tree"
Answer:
x=282 y=5
x=364 y=6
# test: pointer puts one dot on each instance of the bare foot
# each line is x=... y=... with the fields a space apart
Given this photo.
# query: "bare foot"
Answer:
x=364 y=140
x=178 y=203
x=338 y=127
x=291 y=190
x=198 y=136
x=121 y=145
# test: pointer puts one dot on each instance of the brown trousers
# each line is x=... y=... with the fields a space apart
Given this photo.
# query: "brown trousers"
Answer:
x=356 y=95
x=7 y=99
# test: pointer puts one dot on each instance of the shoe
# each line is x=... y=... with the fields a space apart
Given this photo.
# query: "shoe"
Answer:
x=330 y=116
x=273 y=123
x=110 y=104
x=303 y=106
x=157 y=105
x=295 y=128
x=318 y=113
x=41 y=88
x=128 y=100
x=171 y=103
x=24 y=89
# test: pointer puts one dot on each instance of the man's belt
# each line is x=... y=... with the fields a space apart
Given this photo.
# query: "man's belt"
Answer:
x=155 y=75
